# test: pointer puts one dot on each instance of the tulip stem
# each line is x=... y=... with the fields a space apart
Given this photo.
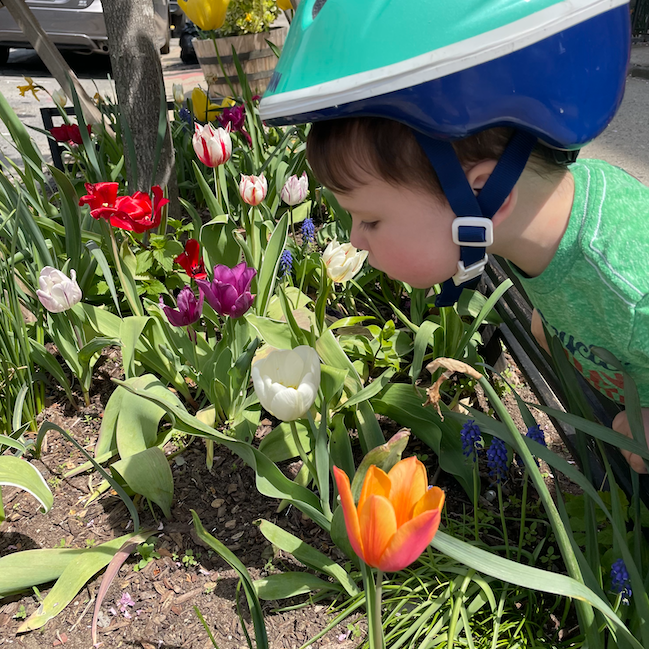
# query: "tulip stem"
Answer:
x=303 y=455
x=521 y=536
x=377 y=629
x=292 y=223
x=217 y=190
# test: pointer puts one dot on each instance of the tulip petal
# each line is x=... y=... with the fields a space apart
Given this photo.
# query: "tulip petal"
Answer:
x=349 y=510
x=409 y=484
x=409 y=541
x=378 y=524
x=287 y=405
x=432 y=499
x=376 y=483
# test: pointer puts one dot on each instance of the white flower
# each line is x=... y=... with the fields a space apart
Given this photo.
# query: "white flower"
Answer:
x=295 y=189
x=59 y=97
x=178 y=92
x=287 y=380
x=57 y=291
x=213 y=146
x=342 y=260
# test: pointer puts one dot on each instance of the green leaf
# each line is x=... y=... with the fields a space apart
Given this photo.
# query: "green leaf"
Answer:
x=148 y=473
x=44 y=359
x=69 y=210
x=219 y=244
x=270 y=264
x=276 y=334
x=402 y=403
x=107 y=441
x=139 y=419
x=129 y=333
x=279 y=445
x=80 y=569
x=289 y=584
x=308 y=555
x=22 y=570
x=212 y=204
x=527 y=577
x=251 y=595
x=102 y=262
x=16 y=472
x=422 y=340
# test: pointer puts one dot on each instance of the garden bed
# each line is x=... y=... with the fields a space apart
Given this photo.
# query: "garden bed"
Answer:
x=188 y=574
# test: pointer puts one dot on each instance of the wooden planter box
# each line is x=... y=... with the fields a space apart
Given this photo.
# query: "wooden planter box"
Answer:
x=257 y=59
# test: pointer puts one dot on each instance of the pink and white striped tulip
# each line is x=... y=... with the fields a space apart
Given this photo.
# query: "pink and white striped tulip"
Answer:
x=253 y=189
x=213 y=146
x=295 y=189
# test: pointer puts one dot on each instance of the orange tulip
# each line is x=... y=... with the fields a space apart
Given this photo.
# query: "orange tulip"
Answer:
x=397 y=514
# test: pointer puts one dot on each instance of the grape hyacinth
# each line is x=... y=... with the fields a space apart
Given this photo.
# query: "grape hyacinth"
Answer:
x=185 y=115
x=308 y=230
x=471 y=439
x=620 y=582
x=497 y=460
x=285 y=263
x=535 y=433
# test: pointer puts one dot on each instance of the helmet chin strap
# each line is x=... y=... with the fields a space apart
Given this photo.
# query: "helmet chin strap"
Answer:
x=472 y=227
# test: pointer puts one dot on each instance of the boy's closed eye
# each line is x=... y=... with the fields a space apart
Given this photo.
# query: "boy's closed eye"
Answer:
x=368 y=225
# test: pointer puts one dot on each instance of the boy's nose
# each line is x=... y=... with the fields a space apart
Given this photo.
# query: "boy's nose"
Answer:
x=357 y=239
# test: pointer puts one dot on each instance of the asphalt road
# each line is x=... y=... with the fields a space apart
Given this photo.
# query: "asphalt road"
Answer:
x=625 y=142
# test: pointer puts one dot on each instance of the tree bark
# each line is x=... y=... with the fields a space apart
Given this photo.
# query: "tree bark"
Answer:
x=137 y=71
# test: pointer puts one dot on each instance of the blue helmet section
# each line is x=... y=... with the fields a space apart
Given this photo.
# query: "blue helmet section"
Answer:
x=564 y=90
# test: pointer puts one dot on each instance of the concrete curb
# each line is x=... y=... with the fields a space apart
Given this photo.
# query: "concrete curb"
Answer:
x=641 y=71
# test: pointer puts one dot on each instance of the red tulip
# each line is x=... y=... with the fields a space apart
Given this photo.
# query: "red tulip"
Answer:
x=192 y=261
x=397 y=514
x=68 y=133
x=135 y=213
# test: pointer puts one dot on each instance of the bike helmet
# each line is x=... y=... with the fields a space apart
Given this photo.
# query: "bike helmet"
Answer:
x=554 y=70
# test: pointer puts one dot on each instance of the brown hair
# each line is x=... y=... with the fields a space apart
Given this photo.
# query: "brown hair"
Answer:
x=342 y=151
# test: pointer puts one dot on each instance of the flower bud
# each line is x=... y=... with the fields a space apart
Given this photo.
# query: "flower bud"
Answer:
x=253 y=189
x=178 y=92
x=59 y=97
x=57 y=291
x=295 y=189
x=213 y=146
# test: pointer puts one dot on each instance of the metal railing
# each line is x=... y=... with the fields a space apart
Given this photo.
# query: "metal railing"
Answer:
x=640 y=17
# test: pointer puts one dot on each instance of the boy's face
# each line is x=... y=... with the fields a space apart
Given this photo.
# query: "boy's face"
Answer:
x=405 y=230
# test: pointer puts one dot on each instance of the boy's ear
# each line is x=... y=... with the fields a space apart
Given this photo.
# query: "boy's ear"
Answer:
x=478 y=175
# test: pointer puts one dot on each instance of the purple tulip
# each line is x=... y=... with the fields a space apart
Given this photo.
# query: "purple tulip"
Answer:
x=189 y=308
x=229 y=292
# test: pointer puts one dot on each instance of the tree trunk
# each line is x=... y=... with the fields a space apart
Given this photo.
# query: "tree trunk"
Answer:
x=137 y=71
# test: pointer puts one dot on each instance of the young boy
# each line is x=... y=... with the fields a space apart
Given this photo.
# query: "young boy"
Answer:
x=449 y=136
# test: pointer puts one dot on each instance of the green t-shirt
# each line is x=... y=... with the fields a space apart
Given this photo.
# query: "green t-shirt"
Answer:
x=595 y=291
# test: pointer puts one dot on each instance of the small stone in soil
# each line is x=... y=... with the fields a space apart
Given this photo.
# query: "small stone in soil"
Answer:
x=217 y=502
x=232 y=487
x=230 y=525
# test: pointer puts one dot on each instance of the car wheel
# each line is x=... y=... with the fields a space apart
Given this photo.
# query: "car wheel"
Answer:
x=4 y=55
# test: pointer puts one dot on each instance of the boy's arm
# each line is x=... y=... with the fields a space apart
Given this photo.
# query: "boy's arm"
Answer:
x=621 y=425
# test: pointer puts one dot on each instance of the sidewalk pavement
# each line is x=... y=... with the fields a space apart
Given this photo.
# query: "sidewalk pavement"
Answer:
x=639 y=65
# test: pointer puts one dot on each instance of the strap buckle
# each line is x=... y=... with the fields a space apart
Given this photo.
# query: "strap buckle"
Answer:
x=465 y=273
x=462 y=222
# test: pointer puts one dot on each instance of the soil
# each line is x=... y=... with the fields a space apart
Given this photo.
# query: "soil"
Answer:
x=165 y=591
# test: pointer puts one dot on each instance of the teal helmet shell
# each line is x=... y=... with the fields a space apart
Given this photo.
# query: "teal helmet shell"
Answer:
x=554 y=68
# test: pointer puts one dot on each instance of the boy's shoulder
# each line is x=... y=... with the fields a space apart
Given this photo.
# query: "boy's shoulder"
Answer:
x=584 y=168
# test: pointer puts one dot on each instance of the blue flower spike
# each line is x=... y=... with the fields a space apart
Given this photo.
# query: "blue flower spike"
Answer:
x=497 y=460
x=471 y=439
x=620 y=581
x=308 y=230
x=285 y=263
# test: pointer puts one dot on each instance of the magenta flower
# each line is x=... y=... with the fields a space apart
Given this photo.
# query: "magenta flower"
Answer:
x=229 y=292
x=189 y=308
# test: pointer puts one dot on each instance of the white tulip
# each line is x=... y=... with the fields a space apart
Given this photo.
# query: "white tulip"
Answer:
x=287 y=380
x=178 y=92
x=57 y=291
x=59 y=97
x=342 y=260
x=295 y=189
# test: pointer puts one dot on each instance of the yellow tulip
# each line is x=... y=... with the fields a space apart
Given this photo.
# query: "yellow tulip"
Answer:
x=285 y=5
x=205 y=14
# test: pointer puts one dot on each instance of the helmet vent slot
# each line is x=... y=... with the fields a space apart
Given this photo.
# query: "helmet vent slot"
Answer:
x=317 y=6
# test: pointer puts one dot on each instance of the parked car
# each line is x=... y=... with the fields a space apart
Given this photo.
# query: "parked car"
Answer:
x=76 y=25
